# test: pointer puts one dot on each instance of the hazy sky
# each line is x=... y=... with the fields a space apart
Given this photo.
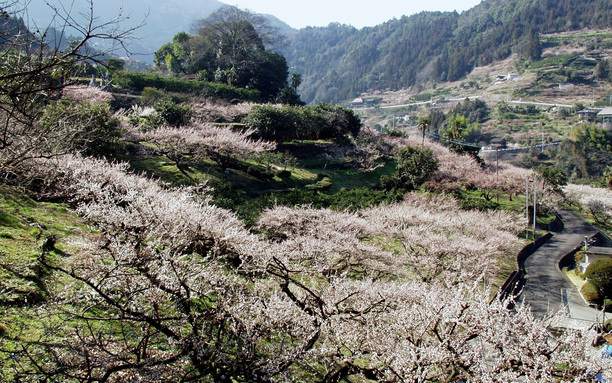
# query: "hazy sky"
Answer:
x=358 y=13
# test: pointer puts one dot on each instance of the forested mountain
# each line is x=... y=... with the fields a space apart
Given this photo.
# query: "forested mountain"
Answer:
x=338 y=62
x=161 y=19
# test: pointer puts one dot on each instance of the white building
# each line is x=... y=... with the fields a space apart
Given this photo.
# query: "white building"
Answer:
x=594 y=253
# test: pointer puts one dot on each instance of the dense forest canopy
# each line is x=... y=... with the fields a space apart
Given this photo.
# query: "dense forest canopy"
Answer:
x=230 y=46
x=339 y=62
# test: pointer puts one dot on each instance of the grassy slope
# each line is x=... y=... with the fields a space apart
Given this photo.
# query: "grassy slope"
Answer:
x=24 y=226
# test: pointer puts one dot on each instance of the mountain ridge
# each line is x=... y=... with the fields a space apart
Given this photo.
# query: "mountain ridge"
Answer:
x=162 y=19
x=339 y=62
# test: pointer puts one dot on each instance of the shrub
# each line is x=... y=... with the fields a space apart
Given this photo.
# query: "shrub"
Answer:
x=323 y=184
x=151 y=95
x=578 y=258
x=589 y=292
x=95 y=129
x=287 y=122
x=599 y=273
x=415 y=166
x=173 y=114
x=388 y=182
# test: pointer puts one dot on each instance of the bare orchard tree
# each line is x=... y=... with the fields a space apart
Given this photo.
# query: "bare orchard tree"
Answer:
x=34 y=66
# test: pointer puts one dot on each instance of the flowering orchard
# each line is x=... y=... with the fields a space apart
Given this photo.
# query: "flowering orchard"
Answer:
x=177 y=289
x=597 y=201
x=463 y=168
x=91 y=94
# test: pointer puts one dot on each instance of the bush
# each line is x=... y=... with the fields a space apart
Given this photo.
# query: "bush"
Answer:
x=323 y=184
x=291 y=122
x=590 y=292
x=140 y=81
x=415 y=165
x=599 y=273
x=578 y=258
x=96 y=130
x=150 y=96
x=388 y=182
x=173 y=114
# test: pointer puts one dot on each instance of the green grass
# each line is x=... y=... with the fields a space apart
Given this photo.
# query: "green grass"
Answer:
x=24 y=225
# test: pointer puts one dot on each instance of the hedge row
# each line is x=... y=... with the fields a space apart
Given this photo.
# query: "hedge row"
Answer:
x=138 y=81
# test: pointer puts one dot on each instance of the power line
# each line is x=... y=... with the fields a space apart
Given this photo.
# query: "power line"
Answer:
x=454 y=141
x=482 y=148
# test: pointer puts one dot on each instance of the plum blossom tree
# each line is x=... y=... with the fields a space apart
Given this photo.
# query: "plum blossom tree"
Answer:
x=190 y=144
x=597 y=201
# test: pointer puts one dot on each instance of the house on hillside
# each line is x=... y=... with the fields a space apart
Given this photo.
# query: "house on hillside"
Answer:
x=360 y=102
x=594 y=253
x=587 y=114
x=512 y=76
x=606 y=117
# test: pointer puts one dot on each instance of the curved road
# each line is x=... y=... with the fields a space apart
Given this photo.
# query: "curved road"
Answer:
x=547 y=289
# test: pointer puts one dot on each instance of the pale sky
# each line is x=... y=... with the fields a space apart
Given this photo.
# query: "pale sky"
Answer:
x=358 y=13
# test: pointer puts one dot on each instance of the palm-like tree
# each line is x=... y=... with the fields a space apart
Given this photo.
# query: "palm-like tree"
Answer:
x=296 y=80
x=423 y=126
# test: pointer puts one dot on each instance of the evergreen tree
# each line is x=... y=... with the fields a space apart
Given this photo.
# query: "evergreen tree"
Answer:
x=602 y=70
x=534 y=48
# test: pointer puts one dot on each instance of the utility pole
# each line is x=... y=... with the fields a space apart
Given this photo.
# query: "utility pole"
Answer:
x=542 y=139
x=535 y=201
x=527 y=207
x=497 y=172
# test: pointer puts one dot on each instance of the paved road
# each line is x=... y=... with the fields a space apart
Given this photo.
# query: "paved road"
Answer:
x=547 y=289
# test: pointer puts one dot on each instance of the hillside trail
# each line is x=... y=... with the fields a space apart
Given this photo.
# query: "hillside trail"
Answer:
x=547 y=289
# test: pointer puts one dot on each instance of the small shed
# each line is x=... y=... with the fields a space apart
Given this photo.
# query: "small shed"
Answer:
x=512 y=76
x=499 y=143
